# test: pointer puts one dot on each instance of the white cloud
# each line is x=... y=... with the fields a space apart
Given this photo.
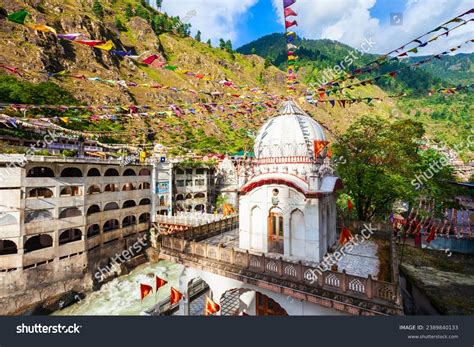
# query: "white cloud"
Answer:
x=214 y=18
x=350 y=22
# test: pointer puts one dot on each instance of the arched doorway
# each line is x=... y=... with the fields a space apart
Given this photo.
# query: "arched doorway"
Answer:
x=275 y=230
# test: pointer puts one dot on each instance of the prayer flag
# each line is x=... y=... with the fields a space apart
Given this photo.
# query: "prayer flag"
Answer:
x=287 y=3
x=90 y=43
x=175 y=296
x=211 y=307
x=150 y=59
x=145 y=290
x=41 y=27
x=289 y=12
x=289 y=24
x=18 y=17
x=70 y=37
x=106 y=46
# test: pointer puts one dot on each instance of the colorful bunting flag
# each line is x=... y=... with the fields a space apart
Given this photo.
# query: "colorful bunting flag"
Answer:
x=106 y=46
x=175 y=296
x=145 y=290
x=18 y=17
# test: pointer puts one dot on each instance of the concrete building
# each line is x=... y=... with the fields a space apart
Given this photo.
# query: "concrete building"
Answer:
x=61 y=216
x=163 y=181
x=193 y=188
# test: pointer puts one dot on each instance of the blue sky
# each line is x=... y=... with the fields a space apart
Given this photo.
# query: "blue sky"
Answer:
x=349 y=21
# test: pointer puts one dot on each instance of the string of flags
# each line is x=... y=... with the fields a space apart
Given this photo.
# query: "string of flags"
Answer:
x=453 y=90
x=291 y=48
x=384 y=59
x=154 y=60
x=336 y=86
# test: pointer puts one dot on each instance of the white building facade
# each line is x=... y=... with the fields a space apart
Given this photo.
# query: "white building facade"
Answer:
x=287 y=202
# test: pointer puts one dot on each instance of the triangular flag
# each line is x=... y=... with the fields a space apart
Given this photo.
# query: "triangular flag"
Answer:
x=175 y=296
x=287 y=3
x=211 y=307
x=346 y=235
x=18 y=17
x=289 y=24
x=145 y=290
x=150 y=59
x=106 y=46
x=41 y=27
x=160 y=282
x=289 y=12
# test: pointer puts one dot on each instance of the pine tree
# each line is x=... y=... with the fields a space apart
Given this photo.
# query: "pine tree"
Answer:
x=129 y=11
x=209 y=42
x=228 y=46
x=253 y=51
x=198 y=36
x=98 y=9
x=221 y=44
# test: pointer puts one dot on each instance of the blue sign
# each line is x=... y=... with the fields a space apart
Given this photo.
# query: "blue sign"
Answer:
x=162 y=187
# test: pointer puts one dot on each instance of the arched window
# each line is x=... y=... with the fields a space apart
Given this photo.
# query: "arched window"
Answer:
x=275 y=230
x=199 y=195
x=162 y=201
x=145 y=185
x=145 y=202
x=69 y=235
x=144 y=217
x=144 y=172
x=128 y=187
x=8 y=247
x=111 y=188
x=93 y=230
x=111 y=206
x=129 y=203
x=111 y=172
x=129 y=220
x=40 y=193
x=111 y=225
x=70 y=212
x=94 y=189
x=40 y=171
x=188 y=196
x=71 y=172
x=38 y=216
x=129 y=172
x=179 y=197
x=71 y=191
x=93 y=209
x=38 y=242
x=93 y=172
x=199 y=207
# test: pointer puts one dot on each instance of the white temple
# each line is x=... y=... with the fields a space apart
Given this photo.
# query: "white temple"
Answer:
x=287 y=201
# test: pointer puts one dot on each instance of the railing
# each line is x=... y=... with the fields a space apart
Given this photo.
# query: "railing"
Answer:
x=204 y=231
x=339 y=282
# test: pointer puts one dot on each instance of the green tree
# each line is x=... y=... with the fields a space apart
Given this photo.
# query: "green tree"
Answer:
x=253 y=51
x=129 y=11
x=380 y=162
x=228 y=46
x=198 y=36
x=98 y=9
x=142 y=12
x=267 y=63
x=209 y=42
x=120 y=26
x=221 y=44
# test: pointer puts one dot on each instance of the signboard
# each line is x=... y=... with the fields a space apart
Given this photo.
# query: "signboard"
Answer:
x=162 y=187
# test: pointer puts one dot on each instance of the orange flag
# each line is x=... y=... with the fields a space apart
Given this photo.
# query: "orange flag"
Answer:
x=145 y=290
x=160 y=282
x=318 y=147
x=175 y=296
x=346 y=235
x=349 y=205
x=211 y=307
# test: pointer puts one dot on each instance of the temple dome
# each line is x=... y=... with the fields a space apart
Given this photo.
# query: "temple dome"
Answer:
x=290 y=134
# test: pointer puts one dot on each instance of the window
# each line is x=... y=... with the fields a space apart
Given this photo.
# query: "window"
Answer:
x=145 y=202
x=93 y=209
x=38 y=242
x=111 y=225
x=111 y=188
x=199 y=183
x=128 y=187
x=71 y=191
x=145 y=185
x=69 y=235
x=111 y=172
x=70 y=212
x=129 y=203
x=38 y=216
x=199 y=171
x=180 y=183
x=189 y=171
x=179 y=172
x=7 y=247
x=94 y=189
x=144 y=172
x=40 y=193
x=111 y=206
x=129 y=172
x=93 y=230
x=93 y=173
x=189 y=183
x=71 y=172
x=40 y=172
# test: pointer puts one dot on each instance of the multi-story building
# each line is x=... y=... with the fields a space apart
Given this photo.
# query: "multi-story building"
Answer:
x=163 y=172
x=59 y=216
x=193 y=188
